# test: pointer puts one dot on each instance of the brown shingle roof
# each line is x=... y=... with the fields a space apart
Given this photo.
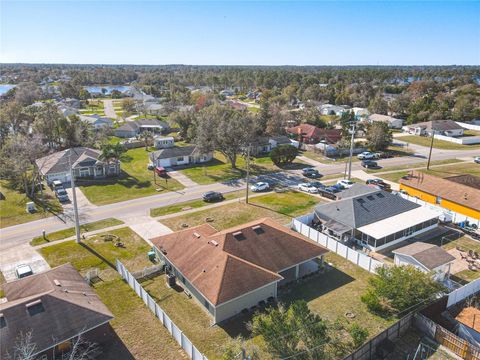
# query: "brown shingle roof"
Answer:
x=429 y=255
x=224 y=265
x=445 y=188
x=314 y=132
x=61 y=312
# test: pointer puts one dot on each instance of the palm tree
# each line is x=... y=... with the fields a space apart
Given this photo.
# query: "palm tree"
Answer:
x=112 y=152
x=147 y=137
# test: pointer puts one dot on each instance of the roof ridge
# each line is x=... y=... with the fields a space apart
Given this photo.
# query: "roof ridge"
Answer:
x=252 y=264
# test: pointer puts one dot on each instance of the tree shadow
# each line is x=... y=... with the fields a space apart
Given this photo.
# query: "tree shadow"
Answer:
x=98 y=255
x=111 y=346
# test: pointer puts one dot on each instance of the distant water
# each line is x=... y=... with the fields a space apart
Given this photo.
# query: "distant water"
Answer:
x=98 y=89
x=4 y=88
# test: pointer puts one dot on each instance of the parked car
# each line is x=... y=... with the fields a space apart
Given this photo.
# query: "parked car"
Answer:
x=260 y=186
x=57 y=184
x=318 y=185
x=370 y=164
x=379 y=183
x=212 y=196
x=161 y=171
x=477 y=159
x=23 y=270
x=346 y=184
x=334 y=188
x=307 y=187
x=383 y=155
x=328 y=193
x=62 y=195
x=311 y=173
x=366 y=155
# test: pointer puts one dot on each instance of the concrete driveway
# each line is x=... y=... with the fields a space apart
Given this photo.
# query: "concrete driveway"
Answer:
x=108 y=109
x=21 y=254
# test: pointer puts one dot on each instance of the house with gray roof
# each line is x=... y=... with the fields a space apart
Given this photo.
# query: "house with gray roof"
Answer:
x=133 y=128
x=374 y=218
x=97 y=121
x=55 y=307
x=179 y=155
x=425 y=257
x=85 y=163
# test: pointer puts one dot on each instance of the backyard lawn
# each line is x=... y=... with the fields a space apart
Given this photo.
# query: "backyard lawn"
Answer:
x=134 y=181
x=63 y=234
x=219 y=170
x=438 y=144
x=13 y=203
x=279 y=206
x=92 y=107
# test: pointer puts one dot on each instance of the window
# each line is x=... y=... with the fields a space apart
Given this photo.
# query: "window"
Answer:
x=180 y=158
x=438 y=200
x=84 y=171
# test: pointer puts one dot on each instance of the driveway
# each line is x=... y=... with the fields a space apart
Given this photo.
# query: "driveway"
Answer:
x=21 y=254
x=108 y=109
x=182 y=179
x=147 y=228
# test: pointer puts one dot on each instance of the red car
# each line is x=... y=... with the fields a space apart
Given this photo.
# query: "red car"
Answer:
x=161 y=171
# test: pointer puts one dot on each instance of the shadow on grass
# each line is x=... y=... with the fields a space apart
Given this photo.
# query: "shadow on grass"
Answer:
x=111 y=346
x=124 y=179
x=98 y=255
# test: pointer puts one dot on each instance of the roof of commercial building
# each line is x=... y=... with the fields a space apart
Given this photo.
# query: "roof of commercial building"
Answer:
x=61 y=161
x=363 y=209
x=466 y=179
x=226 y=264
x=55 y=306
x=429 y=255
x=451 y=190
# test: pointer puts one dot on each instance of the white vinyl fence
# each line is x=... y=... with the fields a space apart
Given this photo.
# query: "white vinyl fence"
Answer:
x=465 y=140
x=358 y=258
x=469 y=126
x=464 y=292
x=447 y=214
x=174 y=330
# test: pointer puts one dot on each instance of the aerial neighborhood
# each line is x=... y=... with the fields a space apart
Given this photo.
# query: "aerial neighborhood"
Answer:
x=230 y=212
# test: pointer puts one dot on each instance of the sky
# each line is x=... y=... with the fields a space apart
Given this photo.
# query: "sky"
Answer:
x=241 y=33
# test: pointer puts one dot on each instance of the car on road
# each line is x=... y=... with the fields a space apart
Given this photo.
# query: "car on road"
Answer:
x=260 y=186
x=370 y=164
x=211 y=196
x=346 y=184
x=477 y=159
x=379 y=183
x=311 y=173
x=366 y=155
x=307 y=187
x=23 y=270
x=62 y=195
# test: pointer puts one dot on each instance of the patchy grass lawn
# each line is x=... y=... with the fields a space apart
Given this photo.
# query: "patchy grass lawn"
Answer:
x=134 y=181
x=96 y=252
x=279 y=206
x=414 y=165
x=219 y=170
x=13 y=207
x=336 y=292
x=63 y=234
x=92 y=107
x=438 y=144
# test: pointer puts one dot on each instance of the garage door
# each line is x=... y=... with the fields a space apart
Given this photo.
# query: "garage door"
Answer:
x=165 y=162
x=63 y=177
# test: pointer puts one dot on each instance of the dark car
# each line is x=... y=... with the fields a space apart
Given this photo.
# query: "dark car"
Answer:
x=369 y=164
x=379 y=183
x=212 y=196
x=318 y=185
x=328 y=193
x=313 y=174
x=334 y=188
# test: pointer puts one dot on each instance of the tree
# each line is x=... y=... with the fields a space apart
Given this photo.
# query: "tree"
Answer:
x=83 y=94
x=147 y=138
x=359 y=335
x=184 y=120
x=396 y=289
x=235 y=347
x=27 y=93
x=128 y=106
x=47 y=124
x=378 y=106
x=283 y=154
x=111 y=153
x=379 y=136
x=278 y=121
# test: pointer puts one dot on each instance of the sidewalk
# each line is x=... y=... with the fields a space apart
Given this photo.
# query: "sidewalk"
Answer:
x=182 y=179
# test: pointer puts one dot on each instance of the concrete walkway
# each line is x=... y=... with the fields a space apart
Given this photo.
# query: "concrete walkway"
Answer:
x=108 y=109
x=19 y=255
x=182 y=179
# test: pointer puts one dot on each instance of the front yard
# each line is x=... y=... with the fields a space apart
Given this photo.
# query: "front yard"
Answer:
x=219 y=170
x=13 y=206
x=438 y=144
x=134 y=181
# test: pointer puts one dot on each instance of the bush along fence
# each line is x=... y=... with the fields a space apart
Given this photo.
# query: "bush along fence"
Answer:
x=192 y=352
x=358 y=258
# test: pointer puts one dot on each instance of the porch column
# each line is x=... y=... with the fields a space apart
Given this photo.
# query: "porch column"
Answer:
x=297 y=270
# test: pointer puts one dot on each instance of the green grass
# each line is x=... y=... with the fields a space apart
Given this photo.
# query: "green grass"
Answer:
x=438 y=144
x=13 y=207
x=219 y=170
x=279 y=206
x=63 y=234
x=413 y=165
x=134 y=181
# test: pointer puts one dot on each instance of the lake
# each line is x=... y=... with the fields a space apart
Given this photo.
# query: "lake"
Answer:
x=4 y=88
x=109 y=88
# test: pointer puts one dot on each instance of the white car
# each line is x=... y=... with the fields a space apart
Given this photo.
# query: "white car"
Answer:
x=260 y=186
x=22 y=271
x=347 y=184
x=309 y=188
x=366 y=155
x=477 y=159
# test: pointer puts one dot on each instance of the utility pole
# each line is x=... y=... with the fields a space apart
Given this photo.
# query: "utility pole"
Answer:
x=431 y=147
x=353 y=123
x=75 y=208
x=248 y=173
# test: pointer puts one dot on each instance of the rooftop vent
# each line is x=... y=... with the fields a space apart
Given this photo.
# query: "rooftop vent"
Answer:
x=380 y=195
x=3 y=322
x=238 y=235
x=197 y=235
x=361 y=201
x=56 y=282
x=35 y=307
x=370 y=197
x=258 y=229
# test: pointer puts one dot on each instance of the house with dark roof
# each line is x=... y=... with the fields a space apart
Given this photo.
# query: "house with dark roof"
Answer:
x=437 y=127
x=265 y=144
x=135 y=127
x=373 y=218
x=85 y=162
x=179 y=155
x=310 y=134
x=425 y=257
x=457 y=193
x=56 y=306
x=238 y=268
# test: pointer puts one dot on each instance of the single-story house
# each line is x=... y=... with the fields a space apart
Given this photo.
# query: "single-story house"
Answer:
x=425 y=257
x=55 y=306
x=457 y=193
x=156 y=109
x=329 y=109
x=310 y=134
x=235 y=269
x=135 y=127
x=393 y=123
x=97 y=121
x=163 y=142
x=179 y=155
x=67 y=110
x=374 y=218
x=227 y=92
x=437 y=127
x=360 y=113
x=266 y=144
x=85 y=162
